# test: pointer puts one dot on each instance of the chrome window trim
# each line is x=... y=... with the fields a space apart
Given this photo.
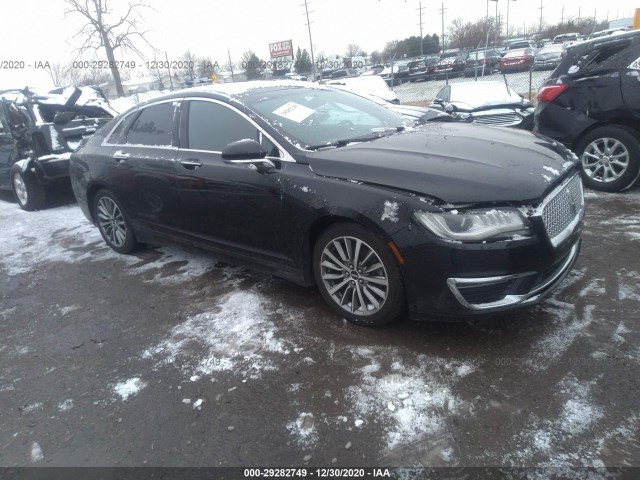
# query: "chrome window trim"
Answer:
x=105 y=142
x=286 y=156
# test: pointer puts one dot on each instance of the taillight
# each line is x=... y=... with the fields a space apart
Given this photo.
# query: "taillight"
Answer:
x=548 y=93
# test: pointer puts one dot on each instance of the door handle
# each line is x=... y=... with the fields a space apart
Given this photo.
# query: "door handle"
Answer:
x=191 y=163
x=121 y=156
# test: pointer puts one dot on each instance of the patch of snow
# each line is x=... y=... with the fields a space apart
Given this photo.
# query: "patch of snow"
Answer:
x=33 y=407
x=552 y=170
x=129 y=388
x=65 y=405
x=69 y=309
x=303 y=429
x=239 y=334
x=628 y=285
x=409 y=401
x=36 y=452
x=390 y=212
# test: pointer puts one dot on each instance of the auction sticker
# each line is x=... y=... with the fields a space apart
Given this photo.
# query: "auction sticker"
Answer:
x=294 y=111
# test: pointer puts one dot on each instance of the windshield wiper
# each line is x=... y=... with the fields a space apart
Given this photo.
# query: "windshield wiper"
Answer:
x=374 y=135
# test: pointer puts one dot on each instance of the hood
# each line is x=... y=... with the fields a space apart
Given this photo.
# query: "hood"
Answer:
x=454 y=162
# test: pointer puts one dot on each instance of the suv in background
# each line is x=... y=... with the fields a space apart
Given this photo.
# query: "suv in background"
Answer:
x=451 y=63
x=591 y=104
x=423 y=68
x=38 y=134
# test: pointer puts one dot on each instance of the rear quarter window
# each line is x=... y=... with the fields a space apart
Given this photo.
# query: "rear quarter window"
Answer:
x=603 y=58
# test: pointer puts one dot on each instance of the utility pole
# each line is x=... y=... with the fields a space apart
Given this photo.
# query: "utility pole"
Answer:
x=540 y=29
x=579 y=11
x=507 y=32
x=313 y=60
x=442 y=10
x=562 y=16
x=168 y=70
x=420 y=8
x=495 y=39
x=233 y=79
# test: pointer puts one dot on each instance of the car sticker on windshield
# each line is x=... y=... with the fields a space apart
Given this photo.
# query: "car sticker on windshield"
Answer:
x=294 y=111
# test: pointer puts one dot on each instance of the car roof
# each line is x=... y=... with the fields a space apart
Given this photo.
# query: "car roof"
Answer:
x=613 y=38
x=235 y=90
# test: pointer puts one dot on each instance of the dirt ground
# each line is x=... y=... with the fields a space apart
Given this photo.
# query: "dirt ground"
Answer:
x=169 y=358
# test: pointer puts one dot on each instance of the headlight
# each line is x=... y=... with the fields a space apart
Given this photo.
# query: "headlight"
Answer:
x=474 y=225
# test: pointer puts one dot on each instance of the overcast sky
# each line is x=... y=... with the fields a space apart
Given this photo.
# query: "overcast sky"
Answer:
x=37 y=30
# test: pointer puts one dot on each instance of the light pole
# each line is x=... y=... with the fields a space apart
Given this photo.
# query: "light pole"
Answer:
x=495 y=37
x=507 y=33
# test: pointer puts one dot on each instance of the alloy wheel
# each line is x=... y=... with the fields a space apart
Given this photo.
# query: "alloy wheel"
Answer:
x=20 y=189
x=354 y=275
x=111 y=222
x=605 y=159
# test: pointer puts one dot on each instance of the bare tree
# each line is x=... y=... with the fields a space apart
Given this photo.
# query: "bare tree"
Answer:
x=106 y=30
x=190 y=65
x=58 y=73
x=354 y=50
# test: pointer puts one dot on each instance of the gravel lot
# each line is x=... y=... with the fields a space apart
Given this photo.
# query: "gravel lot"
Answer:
x=170 y=358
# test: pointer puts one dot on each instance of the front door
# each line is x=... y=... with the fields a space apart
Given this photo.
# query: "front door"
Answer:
x=235 y=207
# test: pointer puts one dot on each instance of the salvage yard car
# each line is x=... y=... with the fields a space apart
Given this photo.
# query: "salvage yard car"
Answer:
x=37 y=135
x=323 y=187
x=488 y=103
x=517 y=60
x=591 y=104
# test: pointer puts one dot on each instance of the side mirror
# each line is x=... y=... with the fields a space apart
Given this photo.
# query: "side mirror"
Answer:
x=450 y=108
x=243 y=150
x=61 y=118
x=247 y=152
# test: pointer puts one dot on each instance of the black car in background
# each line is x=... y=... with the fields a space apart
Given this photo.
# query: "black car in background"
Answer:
x=591 y=104
x=481 y=62
x=451 y=64
x=37 y=135
x=324 y=187
x=423 y=68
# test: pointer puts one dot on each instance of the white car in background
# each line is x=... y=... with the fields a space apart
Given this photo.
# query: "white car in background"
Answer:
x=372 y=85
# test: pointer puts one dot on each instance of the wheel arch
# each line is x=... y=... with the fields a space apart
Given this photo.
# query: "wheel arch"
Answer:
x=622 y=122
x=323 y=222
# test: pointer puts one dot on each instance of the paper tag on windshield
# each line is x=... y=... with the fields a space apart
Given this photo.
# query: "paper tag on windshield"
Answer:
x=294 y=111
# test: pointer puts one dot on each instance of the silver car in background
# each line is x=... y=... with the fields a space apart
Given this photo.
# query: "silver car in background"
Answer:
x=549 y=57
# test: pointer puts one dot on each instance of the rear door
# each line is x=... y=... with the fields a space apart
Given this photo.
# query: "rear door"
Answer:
x=143 y=165
x=631 y=81
x=234 y=207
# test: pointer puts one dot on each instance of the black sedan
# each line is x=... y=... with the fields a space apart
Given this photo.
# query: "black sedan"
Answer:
x=323 y=187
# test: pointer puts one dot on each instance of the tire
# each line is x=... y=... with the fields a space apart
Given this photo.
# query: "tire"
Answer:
x=113 y=223
x=27 y=189
x=359 y=288
x=600 y=148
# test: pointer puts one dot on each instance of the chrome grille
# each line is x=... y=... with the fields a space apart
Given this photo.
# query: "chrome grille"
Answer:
x=563 y=208
x=500 y=119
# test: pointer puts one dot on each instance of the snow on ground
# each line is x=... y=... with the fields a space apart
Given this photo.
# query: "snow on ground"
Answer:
x=413 y=400
x=129 y=388
x=237 y=334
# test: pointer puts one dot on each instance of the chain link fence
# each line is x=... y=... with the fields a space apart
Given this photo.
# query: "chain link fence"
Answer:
x=421 y=93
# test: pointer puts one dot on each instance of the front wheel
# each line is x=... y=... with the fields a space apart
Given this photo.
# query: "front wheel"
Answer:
x=27 y=189
x=112 y=222
x=357 y=275
x=610 y=158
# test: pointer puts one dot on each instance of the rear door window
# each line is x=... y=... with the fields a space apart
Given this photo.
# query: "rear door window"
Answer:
x=153 y=127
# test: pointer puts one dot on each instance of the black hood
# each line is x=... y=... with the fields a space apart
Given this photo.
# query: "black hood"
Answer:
x=454 y=162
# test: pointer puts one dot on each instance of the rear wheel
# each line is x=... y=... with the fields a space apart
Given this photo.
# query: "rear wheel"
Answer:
x=610 y=158
x=27 y=189
x=357 y=275
x=113 y=223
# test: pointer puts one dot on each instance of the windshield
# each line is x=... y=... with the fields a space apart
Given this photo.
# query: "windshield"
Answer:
x=311 y=117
